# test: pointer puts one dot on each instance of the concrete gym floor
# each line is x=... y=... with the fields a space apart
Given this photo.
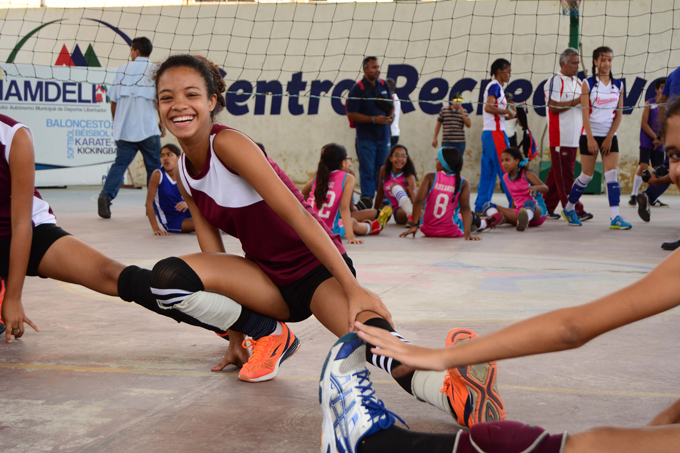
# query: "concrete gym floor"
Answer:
x=105 y=375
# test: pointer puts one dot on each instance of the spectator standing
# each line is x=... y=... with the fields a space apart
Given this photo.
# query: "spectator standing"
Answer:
x=451 y=120
x=371 y=108
x=565 y=122
x=135 y=121
x=494 y=138
x=394 y=127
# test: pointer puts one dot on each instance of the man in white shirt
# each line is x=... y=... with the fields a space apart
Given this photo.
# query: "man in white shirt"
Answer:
x=135 y=121
x=565 y=122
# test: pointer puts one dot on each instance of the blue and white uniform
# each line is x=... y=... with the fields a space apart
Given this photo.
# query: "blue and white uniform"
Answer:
x=167 y=197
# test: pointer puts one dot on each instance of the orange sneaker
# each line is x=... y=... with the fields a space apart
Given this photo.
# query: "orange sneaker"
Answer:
x=267 y=354
x=472 y=389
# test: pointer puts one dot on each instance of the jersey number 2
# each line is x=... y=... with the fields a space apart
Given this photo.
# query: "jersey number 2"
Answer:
x=325 y=211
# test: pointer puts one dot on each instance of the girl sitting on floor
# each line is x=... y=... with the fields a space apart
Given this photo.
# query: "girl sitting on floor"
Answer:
x=163 y=198
x=525 y=188
x=331 y=197
x=398 y=183
x=445 y=198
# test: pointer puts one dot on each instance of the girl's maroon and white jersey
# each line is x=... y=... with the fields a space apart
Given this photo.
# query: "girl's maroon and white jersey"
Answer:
x=42 y=213
x=230 y=203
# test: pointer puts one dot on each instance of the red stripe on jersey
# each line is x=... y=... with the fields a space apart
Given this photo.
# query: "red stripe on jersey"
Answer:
x=500 y=143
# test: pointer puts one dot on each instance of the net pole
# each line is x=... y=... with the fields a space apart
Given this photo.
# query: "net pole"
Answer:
x=574 y=30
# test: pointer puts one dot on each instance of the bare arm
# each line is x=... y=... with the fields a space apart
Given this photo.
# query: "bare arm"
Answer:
x=380 y=194
x=418 y=205
x=307 y=188
x=567 y=328
x=209 y=238
x=670 y=415
x=536 y=184
x=644 y=122
x=559 y=107
x=113 y=110
x=618 y=114
x=150 y=195
x=585 y=112
x=361 y=118
x=240 y=153
x=22 y=169
x=437 y=128
x=465 y=211
x=495 y=110
x=411 y=183
x=345 y=212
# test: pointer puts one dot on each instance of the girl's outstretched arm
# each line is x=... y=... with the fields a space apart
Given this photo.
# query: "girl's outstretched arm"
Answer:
x=567 y=328
x=411 y=183
x=22 y=168
x=418 y=205
x=244 y=157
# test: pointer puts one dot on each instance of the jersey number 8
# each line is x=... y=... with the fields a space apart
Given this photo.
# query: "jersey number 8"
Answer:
x=440 y=204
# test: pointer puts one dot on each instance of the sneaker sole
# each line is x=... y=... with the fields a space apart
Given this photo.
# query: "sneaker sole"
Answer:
x=480 y=381
x=643 y=209
x=384 y=217
x=290 y=352
x=588 y=217
x=617 y=227
x=522 y=220
x=328 y=442
x=662 y=206
x=103 y=210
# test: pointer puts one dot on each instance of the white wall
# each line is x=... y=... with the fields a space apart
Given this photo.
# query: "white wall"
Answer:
x=327 y=41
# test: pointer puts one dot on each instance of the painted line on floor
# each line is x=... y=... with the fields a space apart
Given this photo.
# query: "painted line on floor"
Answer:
x=218 y=374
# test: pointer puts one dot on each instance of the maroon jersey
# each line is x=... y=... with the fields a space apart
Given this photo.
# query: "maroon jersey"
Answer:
x=42 y=213
x=230 y=203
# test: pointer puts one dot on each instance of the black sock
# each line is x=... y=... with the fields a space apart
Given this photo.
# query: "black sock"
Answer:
x=398 y=440
x=383 y=362
x=254 y=324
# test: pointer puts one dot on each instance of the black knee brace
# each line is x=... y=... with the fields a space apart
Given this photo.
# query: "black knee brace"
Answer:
x=172 y=280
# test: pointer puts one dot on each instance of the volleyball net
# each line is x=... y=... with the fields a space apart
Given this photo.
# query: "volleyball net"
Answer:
x=310 y=54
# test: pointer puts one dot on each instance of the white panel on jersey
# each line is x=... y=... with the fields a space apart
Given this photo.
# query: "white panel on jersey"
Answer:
x=225 y=188
x=41 y=212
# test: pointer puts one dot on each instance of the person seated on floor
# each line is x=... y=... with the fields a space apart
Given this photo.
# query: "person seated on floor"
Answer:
x=163 y=199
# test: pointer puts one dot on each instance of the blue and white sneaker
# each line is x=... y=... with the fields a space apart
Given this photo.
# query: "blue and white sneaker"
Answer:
x=619 y=224
x=350 y=409
x=571 y=217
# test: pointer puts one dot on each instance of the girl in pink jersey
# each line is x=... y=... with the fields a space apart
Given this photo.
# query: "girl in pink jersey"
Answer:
x=525 y=188
x=331 y=196
x=444 y=197
x=398 y=183
x=293 y=266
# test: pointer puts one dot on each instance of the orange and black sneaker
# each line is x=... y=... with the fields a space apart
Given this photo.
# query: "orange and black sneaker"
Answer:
x=472 y=389
x=267 y=355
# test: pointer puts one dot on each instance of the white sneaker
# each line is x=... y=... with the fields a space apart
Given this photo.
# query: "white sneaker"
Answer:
x=350 y=409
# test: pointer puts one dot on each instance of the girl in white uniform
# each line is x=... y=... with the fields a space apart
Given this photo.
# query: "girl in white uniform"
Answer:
x=604 y=96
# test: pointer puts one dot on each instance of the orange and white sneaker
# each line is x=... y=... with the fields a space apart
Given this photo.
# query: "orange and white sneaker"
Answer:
x=267 y=355
x=472 y=389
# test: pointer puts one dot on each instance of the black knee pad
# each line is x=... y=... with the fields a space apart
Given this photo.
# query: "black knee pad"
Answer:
x=172 y=280
x=133 y=282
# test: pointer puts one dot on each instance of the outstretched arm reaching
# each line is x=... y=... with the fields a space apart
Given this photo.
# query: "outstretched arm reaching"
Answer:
x=567 y=328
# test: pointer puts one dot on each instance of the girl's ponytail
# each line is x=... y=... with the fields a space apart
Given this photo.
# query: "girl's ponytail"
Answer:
x=332 y=156
x=453 y=161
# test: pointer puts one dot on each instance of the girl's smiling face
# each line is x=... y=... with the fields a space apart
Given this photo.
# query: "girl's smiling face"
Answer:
x=509 y=163
x=183 y=102
x=398 y=158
